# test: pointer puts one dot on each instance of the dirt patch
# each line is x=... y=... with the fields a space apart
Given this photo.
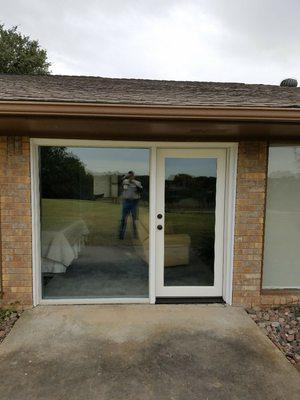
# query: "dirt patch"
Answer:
x=7 y=321
x=282 y=326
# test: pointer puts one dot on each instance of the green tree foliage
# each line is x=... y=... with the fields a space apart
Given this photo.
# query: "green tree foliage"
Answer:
x=21 y=55
x=202 y=189
x=64 y=175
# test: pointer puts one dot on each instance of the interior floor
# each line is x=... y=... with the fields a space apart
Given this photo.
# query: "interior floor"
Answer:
x=117 y=271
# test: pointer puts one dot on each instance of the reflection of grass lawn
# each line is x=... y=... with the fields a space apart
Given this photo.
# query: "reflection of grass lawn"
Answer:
x=102 y=219
x=197 y=225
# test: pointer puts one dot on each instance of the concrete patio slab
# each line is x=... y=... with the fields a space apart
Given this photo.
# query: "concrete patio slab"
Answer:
x=177 y=352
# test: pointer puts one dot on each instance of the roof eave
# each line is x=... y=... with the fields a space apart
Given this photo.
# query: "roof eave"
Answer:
x=73 y=109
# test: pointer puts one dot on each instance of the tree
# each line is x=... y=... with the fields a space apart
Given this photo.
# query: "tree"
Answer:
x=21 y=55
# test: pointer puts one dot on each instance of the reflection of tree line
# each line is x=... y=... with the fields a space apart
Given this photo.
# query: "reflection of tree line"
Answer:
x=64 y=176
x=186 y=191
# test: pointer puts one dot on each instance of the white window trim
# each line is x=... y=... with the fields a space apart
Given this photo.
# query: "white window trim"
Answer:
x=229 y=214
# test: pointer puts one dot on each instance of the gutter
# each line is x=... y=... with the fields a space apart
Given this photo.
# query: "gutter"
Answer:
x=70 y=109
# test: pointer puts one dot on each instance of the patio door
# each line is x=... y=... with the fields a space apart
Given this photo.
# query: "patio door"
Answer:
x=189 y=222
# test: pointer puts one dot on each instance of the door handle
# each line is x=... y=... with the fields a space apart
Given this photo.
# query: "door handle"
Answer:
x=159 y=227
x=159 y=216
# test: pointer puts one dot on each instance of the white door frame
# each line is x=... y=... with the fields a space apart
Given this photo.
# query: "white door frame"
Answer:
x=231 y=165
x=191 y=291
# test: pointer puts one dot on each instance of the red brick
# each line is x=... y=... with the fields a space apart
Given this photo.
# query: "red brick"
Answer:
x=15 y=215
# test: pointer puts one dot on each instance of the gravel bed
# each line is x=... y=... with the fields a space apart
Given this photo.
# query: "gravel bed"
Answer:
x=7 y=321
x=282 y=326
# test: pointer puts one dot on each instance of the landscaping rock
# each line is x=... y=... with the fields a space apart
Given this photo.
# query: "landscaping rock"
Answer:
x=7 y=321
x=254 y=317
x=261 y=324
x=282 y=326
x=275 y=324
x=297 y=357
x=290 y=338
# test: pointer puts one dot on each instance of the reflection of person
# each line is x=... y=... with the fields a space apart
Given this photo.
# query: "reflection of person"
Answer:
x=132 y=189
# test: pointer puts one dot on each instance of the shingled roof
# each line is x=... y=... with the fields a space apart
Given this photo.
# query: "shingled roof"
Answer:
x=86 y=89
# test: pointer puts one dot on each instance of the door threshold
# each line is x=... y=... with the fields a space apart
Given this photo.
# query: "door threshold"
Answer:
x=189 y=300
x=92 y=301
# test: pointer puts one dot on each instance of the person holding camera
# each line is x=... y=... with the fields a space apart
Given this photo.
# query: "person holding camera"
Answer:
x=132 y=190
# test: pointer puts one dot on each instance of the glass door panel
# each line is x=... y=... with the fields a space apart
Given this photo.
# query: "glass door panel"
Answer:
x=190 y=199
x=94 y=222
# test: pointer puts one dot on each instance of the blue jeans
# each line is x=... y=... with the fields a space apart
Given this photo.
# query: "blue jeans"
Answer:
x=129 y=207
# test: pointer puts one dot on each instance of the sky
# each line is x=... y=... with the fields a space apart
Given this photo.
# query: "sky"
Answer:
x=122 y=160
x=191 y=166
x=252 y=41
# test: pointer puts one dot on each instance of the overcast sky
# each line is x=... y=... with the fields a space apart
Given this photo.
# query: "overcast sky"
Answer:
x=104 y=160
x=255 y=41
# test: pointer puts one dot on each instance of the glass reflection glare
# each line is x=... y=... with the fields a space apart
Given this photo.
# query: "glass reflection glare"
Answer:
x=282 y=227
x=190 y=195
x=94 y=222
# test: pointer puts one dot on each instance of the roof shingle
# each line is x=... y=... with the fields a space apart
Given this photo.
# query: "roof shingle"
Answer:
x=85 y=89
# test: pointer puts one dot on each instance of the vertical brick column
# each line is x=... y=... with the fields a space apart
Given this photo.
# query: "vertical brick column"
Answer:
x=249 y=222
x=15 y=216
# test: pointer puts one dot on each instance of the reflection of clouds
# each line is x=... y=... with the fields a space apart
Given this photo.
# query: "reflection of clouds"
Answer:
x=284 y=161
x=194 y=167
x=105 y=160
x=122 y=166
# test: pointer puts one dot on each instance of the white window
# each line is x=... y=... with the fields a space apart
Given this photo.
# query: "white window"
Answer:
x=282 y=229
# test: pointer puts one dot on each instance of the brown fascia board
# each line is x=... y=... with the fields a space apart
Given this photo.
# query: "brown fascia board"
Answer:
x=69 y=109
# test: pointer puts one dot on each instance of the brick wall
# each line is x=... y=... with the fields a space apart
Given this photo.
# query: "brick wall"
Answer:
x=249 y=229
x=15 y=216
x=15 y=225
